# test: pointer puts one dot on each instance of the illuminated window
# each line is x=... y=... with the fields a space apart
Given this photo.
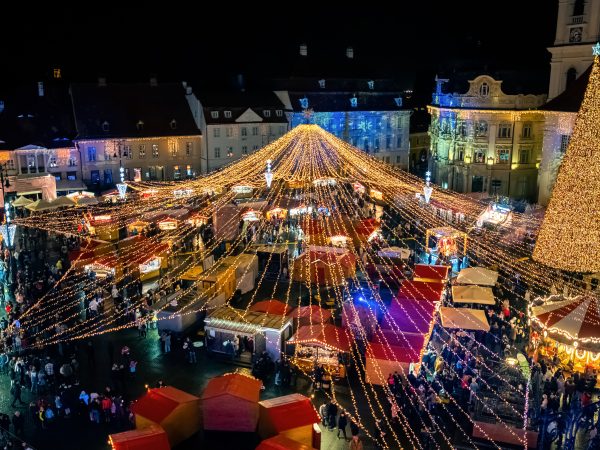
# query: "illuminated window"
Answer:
x=217 y=152
x=227 y=114
x=484 y=89
x=244 y=131
x=479 y=155
x=216 y=132
x=127 y=153
x=91 y=151
x=388 y=142
x=189 y=148
x=173 y=124
x=564 y=142
x=57 y=74
x=502 y=155
x=176 y=173
x=254 y=147
x=108 y=177
x=353 y=102
x=188 y=170
x=155 y=150
x=461 y=128
x=95 y=176
x=228 y=131
x=142 y=151
x=71 y=176
x=481 y=128
x=267 y=113
x=459 y=154
x=303 y=103
x=105 y=126
x=504 y=130
x=322 y=84
x=72 y=162
x=527 y=130
x=371 y=84
x=214 y=114
x=140 y=125
x=376 y=145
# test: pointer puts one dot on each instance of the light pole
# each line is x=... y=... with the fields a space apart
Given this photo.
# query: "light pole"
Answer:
x=6 y=226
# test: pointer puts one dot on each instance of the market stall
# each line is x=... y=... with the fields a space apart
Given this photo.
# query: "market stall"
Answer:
x=104 y=227
x=324 y=266
x=242 y=191
x=323 y=344
x=307 y=315
x=230 y=403
x=226 y=220
x=422 y=290
x=383 y=359
x=292 y=416
x=176 y=411
x=168 y=223
x=137 y=228
x=464 y=319
x=570 y=330
x=446 y=244
x=427 y=272
x=361 y=315
x=281 y=442
x=409 y=315
x=151 y=438
x=102 y=266
x=246 y=270
x=272 y=258
x=339 y=240
x=478 y=276
x=258 y=331
x=271 y=307
x=496 y=214
x=472 y=294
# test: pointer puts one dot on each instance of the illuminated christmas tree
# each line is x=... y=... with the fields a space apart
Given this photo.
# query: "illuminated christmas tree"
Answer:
x=569 y=238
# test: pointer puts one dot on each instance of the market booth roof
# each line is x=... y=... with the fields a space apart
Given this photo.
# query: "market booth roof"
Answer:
x=285 y=413
x=421 y=290
x=234 y=384
x=281 y=442
x=570 y=318
x=409 y=316
x=477 y=275
x=237 y=320
x=326 y=335
x=22 y=201
x=426 y=272
x=271 y=307
x=312 y=312
x=464 y=318
x=473 y=294
x=151 y=438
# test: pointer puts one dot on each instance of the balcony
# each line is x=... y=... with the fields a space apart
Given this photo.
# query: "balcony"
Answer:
x=576 y=20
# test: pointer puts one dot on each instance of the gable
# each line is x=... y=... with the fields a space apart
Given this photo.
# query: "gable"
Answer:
x=249 y=116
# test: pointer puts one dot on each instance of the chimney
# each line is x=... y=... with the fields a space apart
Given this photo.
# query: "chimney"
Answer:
x=102 y=81
x=40 y=88
x=153 y=82
x=303 y=50
x=349 y=53
x=188 y=90
x=1 y=105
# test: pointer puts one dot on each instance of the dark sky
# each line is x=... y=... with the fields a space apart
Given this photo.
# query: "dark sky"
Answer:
x=178 y=42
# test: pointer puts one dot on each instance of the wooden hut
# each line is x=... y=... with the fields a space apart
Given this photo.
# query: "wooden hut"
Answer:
x=230 y=403
x=151 y=438
x=177 y=412
x=324 y=266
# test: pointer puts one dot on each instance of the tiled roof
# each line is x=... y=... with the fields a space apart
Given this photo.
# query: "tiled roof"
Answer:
x=237 y=103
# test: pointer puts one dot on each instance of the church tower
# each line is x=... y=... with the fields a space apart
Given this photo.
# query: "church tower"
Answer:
x=577 y=28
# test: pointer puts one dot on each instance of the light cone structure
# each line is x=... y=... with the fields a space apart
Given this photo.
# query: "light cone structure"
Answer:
x=569 y=237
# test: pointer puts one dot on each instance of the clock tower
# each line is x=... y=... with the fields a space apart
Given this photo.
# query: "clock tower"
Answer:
x=577 y=28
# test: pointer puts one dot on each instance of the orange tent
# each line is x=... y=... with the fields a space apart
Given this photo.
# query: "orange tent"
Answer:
x=271 y=307
x=176 y=411
x=153 y=438
x=326 y=335
x=291 y=416
x=307 y=315
x=325 y=266
x=230 y=403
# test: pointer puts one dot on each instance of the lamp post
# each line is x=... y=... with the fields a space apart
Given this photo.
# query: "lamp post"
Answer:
x=6 y=226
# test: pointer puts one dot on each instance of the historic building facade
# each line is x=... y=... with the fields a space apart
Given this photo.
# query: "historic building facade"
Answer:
x=485 y=140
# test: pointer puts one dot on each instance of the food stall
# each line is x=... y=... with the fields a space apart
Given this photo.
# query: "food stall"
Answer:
x=312 y=314
x=168 y=223
x=226 y=221
x=471 y=294
x=250 y=215
x=266 y=332
x=339 y=240
x=137 y=227
x=197 y=220
x=323 y=344
x=477 y=276
x=569 y=328
x=357 y=187
x=387 y=355
x=464 y=319
x=272 y=306
x=320 y=265
x=426 y=272
x=103 y=266
x=272 y=258
x=151 y=438
x=148 y=193
x=242 y=191
x=246 y=270
x=446 y=244
x=104 y=227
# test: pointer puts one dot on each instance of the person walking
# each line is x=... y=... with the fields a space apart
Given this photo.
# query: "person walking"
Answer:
x=18 y=422
x=167 y=341
x=356 y=443
x=342 y=422
x=15 y=390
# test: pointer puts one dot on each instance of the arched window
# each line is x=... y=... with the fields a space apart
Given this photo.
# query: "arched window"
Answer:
x=571 y=76
x=484 y=89
x=578 y=7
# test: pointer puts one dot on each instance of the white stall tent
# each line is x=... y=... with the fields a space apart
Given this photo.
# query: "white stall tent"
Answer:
x=473 y=294
x=477 y=275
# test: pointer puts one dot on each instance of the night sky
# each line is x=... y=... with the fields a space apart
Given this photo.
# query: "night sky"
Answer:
x=201 y=43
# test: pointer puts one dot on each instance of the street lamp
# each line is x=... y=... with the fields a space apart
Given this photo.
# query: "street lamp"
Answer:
x=6 y=226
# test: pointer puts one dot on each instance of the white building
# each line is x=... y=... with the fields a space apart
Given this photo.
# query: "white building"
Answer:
x=577 y=28
x=235 y=124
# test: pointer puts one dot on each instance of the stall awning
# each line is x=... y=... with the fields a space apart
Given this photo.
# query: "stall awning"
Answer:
x=425 y=272
x=477 y=275
x=473 y=294
x=464 y=318
x=421 y=290
x=324 y=335
x=192 y=274
x=231 y=319
x=271 y=307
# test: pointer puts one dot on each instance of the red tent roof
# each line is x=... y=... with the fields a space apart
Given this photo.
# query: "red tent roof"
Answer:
x=234 y=384
x=431 y=272
x=400 y=340
x=326 y=335
x=409 y=316
x=281 y=442
x=366 y=227
x=344 y=259
x=392 y=353
x=317 y=313
x=290 y=411
x=271 y=307
x=159 y=403
x=421 y=290
x=152 y=438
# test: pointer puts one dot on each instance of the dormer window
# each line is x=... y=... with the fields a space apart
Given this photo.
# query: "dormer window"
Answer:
x=139 y=125
x=279 y=113
x=105 y=126
x=354 y=102
x=484 y=89
x=304 y=103
x=398 y=101
x=214 y=114
x=227 y=114
x=322 y=84
x=173 y=124
x=267 y=113
x=371 y=84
